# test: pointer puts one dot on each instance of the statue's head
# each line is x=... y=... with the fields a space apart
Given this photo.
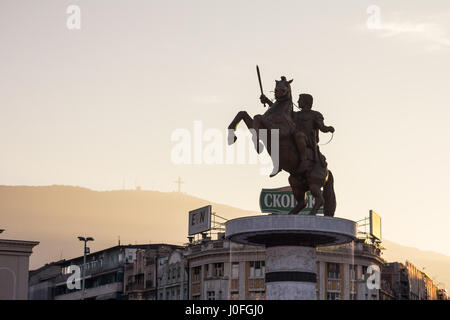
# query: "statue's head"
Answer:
x=305 y=101
x=283 y=88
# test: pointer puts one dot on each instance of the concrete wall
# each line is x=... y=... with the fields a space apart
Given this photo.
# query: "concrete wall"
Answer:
x=14 y=264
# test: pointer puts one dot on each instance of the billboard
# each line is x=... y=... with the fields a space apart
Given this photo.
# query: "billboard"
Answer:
x=281 y=201
x=199 y=220
x=375 y=225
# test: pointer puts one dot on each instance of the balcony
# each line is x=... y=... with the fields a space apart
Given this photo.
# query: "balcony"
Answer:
x=134 y=286
x=90 y=271
x=93 y=293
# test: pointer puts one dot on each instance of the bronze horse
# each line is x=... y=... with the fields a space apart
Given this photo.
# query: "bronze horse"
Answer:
x=314 y=176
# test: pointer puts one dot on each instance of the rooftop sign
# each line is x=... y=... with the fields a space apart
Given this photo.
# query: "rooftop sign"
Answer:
x=199 y=220
x=375 y=225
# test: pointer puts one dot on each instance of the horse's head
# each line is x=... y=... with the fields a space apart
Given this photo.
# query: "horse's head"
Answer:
x=283 y=89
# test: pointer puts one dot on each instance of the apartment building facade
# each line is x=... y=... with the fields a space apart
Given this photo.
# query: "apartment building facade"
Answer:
x=220 y=269
x=172 y=281
x=104 y=275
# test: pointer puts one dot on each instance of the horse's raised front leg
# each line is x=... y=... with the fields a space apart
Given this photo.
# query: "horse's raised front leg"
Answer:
x=241 y=115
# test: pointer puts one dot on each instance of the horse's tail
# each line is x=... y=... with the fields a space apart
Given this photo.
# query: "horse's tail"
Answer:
x=329 y=206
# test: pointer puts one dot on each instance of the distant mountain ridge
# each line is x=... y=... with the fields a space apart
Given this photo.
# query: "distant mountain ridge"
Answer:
x=56 y=215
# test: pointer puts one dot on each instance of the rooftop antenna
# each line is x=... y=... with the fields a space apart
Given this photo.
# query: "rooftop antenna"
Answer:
x=119 y=240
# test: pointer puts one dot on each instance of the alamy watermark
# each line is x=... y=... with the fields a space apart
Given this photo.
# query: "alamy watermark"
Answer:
x=374 y=19
x=74 y=280
x=73 y=21
x=212 y=147
x=373 y=281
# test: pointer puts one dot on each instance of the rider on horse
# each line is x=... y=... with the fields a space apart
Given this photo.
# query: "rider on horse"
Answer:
x=308 y=123
x=295 y=148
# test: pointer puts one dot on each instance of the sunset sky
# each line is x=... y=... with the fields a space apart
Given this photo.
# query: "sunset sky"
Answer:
x=97 y=107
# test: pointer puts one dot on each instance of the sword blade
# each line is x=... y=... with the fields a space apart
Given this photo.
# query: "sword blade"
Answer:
x=259 y=80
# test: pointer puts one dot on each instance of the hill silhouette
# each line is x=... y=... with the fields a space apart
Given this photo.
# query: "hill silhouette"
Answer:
x=56 y=215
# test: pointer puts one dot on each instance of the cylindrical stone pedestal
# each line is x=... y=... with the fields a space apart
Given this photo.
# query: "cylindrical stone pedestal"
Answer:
x=291 y=242
x=290 y=273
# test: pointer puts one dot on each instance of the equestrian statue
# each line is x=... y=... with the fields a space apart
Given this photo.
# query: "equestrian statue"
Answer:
x=298 y=150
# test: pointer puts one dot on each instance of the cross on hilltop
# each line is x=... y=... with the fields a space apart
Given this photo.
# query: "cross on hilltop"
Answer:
x=179 y=182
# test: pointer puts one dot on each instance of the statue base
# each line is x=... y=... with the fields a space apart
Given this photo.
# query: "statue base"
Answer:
x=291 y=242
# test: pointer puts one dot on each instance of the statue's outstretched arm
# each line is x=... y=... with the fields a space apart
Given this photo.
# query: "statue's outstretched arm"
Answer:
x=321 y=125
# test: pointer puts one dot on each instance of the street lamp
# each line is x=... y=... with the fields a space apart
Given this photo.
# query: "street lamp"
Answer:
x=85 y=240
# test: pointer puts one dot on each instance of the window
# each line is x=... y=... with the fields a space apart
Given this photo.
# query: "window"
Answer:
x=235 y=270
x=333 y=281
x=352 y=282
x=333 y=270
x=211 y=295
x=256 y=295
x=364 y=271
x=352 y=272
x=257 y=269
x=333 y=296
x=196 y=271
x=218 y=269
x=140 y=278
x=334 y=285
x=65 y=270
x=196 y=297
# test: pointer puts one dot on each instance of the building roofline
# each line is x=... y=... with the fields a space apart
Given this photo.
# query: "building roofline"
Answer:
x=129 y=246
x=19 y=242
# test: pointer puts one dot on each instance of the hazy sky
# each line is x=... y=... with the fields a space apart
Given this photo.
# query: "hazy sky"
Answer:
x=96 y=107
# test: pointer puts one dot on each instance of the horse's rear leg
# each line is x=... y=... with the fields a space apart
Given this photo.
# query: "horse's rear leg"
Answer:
x=329 y=207
x=299 y=190
x=318 y=198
